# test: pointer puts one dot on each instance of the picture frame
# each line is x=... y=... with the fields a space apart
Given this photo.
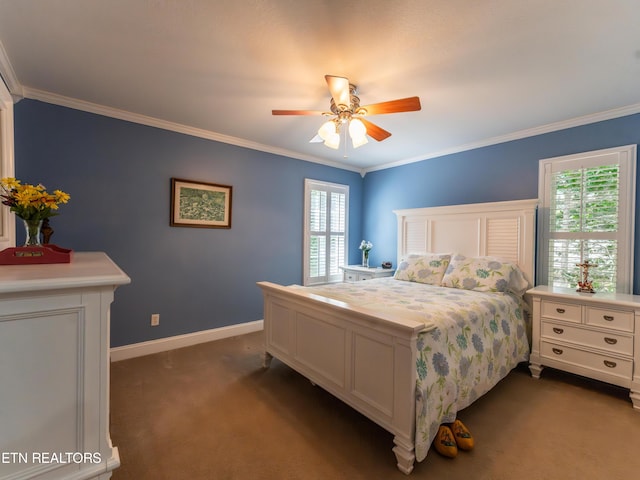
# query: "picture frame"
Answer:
x=200 y=204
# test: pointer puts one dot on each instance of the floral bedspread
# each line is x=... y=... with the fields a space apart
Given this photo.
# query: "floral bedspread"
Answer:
x=479 y=337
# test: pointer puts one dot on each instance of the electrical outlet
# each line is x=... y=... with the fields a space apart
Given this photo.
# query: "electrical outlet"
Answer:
x=155 y=319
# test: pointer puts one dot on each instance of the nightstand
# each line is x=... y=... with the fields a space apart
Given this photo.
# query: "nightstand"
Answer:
x=596 y=335
x=357 y=273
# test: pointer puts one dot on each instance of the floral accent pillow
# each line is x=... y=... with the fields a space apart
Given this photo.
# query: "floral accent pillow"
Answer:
x=484 y=274
x=428 y=268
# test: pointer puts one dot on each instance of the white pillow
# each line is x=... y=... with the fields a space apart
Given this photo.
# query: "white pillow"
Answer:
x=484 y=274
x=424 y=268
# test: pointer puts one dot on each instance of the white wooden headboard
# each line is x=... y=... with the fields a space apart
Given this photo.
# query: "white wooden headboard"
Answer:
x=500 y=229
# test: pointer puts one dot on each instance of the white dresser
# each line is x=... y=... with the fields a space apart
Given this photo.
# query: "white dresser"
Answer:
x=54 y=369
x=594 y=335
x=357 y=273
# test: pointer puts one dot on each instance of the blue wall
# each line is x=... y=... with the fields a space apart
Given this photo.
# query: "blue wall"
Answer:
x=508 y=171
x=118 y=175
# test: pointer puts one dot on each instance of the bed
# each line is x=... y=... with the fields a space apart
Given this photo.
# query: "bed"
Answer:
x=392 y=348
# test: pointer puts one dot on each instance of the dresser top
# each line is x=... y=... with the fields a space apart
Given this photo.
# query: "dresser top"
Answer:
x=622 y=299
x=86 y=269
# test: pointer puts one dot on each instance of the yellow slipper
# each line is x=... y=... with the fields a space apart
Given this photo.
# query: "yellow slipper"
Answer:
x=462 y=435
x=445 y=443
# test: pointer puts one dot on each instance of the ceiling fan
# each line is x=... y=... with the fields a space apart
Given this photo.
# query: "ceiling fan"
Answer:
x=347 y=112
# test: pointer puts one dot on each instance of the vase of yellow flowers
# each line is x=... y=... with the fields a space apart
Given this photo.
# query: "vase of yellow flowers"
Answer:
x=31 y=203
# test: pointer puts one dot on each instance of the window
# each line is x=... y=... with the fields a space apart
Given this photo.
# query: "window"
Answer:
x=325 y=231
x=587 y=213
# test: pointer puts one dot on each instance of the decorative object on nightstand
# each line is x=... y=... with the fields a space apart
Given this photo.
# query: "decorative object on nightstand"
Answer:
x=595 y=335
x=585 y=286
x=357 y=273
x=33 y=204
x=366 y=247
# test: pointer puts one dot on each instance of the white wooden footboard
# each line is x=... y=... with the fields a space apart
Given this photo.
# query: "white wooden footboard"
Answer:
x=364 y=358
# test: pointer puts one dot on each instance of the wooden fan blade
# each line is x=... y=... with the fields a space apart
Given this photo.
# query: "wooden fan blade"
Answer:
x=296 y=112
x=375 y=131
x=410 y=104
x=339 y=88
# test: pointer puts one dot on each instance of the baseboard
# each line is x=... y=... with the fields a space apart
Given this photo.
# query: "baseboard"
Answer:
x=179 y=341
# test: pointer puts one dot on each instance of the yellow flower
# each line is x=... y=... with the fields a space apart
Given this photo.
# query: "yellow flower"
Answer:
x=11 y=182
x=30 y=202
x=61 y=197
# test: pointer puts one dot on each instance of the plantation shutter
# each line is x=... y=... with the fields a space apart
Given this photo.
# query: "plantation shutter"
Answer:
x=588 y=215
x=326 y=207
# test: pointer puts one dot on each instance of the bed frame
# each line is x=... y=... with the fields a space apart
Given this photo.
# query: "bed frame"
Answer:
x=368 y=359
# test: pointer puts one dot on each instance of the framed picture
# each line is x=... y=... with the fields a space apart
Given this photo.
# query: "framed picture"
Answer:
x=200 y=204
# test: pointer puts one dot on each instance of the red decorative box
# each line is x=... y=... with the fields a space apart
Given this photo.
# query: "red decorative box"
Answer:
x=48 y=253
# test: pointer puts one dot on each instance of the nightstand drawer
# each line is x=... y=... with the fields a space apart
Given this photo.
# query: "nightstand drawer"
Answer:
x=562 y=311
x=610 y=342
x=614 y=319
x=592 y=361
x=350 y=277
x=366 y=276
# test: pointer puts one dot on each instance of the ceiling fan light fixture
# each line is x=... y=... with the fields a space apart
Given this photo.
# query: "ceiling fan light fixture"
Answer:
x=346 y=110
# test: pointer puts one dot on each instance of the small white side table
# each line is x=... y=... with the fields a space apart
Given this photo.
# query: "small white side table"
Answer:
x=357 y=273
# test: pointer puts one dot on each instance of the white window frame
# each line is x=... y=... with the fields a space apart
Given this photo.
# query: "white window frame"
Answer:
x=625 y=157
x=7 y=219
x=309 y=185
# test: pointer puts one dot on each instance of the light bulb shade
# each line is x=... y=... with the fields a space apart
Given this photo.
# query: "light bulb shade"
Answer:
x=333 y=141
x=357 y=132
x=327 y=129
x=358 y=142
x=357 y=128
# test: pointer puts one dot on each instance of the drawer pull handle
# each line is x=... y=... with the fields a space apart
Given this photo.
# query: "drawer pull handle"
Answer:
x=608 y=318
x=560 y=310
x=610 y=364
x=557 y=351
x=559 y=331
x=610 y=341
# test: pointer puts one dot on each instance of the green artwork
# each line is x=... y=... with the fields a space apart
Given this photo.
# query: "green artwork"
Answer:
x=205 y=205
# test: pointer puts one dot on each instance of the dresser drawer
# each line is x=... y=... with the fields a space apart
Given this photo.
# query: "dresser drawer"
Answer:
x=615 y=319
x=562 y=311
x=366 y=276
x=611 y=342
x=592 y=361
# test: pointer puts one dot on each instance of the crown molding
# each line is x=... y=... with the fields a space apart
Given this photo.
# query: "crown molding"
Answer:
x=9 y=75
x=61 y=100
x=530 y=132
x=90 y=107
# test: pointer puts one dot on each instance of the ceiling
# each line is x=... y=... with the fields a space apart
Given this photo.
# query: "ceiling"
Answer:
x=485 y=71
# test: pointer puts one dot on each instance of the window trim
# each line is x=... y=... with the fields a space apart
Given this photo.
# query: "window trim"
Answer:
x=309 y=185
x=7 y=219
x=627 y=188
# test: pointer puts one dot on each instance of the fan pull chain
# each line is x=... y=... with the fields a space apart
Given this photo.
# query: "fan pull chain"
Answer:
x=344 y=131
